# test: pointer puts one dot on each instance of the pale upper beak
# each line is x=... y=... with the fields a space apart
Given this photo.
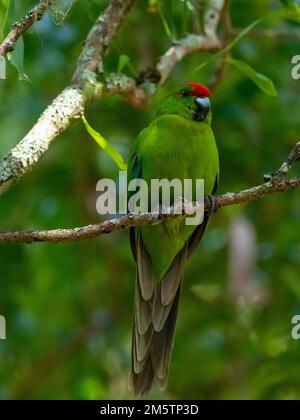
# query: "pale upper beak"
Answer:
x=202 y=108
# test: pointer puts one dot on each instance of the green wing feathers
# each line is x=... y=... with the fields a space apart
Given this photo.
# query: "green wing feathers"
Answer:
x=171 y=147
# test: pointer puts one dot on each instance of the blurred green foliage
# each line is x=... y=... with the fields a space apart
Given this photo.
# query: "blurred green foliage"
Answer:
x=69 y=307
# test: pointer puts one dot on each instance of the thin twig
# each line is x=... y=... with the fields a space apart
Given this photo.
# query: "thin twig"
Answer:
x=20 y=27
x=288 y=34
x=274 y=185
x=90 y=63
x=88 y=85
x=222 y=68
x=285 y=168
x=68 y=105
x=189 y=44
x=192 y=43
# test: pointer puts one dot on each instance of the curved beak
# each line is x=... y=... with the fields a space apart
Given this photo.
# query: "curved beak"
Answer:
x=202 y=108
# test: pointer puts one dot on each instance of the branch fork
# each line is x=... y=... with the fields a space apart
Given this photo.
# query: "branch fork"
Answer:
x=293 y=157
x=88 y=84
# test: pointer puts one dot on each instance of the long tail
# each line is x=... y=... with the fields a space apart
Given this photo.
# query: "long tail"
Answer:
x=155 y=314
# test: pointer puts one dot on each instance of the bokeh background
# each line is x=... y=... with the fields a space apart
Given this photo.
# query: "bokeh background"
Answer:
x=69 y=307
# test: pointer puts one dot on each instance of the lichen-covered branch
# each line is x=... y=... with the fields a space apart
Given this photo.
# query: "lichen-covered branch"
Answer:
x=132 y=220
x=90 y=63
x=67 y=106
x=183 y=47
x=20 y=27
x=285 y=168
x=139 y=93
x=88 y=84
x=277 y=183
x=120 y=84
x=30 y=150
x=209 y=41
x=222 y=68
x=212 y=17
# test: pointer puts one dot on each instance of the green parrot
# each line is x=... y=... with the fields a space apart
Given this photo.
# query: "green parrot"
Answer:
x=179 y=144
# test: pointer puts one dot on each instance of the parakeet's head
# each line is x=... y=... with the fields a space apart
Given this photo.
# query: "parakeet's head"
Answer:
x=190 y=101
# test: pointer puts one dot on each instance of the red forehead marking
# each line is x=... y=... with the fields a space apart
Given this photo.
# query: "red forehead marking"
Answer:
x=199 y=90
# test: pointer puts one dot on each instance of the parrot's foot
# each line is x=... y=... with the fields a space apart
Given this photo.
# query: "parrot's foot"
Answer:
x=211 y=202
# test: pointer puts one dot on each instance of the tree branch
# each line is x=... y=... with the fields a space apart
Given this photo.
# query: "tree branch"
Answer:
x=212 y=17
x=57 y=117
x=277 y=183
x=90 y=63
x=68 y=105
x=88 y=85
x=192 y=43
x=183 y=47
x=20 y=27
x=222 y=68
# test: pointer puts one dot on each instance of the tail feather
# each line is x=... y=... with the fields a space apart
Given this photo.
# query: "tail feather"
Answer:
x=172 y=279
x=163 y=344
x=141 y=382
x=143 y=311
x=160 y=312
x=156 y=308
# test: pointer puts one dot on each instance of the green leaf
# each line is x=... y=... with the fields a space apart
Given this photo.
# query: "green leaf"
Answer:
x=240 y=36
x=4 y=27
x=16 y=57
x=235 y=41
x=263 y=82
x=277 y=14
x=124 y=61
x=105 y=145
x=164 y=19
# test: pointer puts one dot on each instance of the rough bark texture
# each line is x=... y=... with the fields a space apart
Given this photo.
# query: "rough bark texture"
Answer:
x=21 y=159
x=20 y=27
x=132 y=220
x=88 y=82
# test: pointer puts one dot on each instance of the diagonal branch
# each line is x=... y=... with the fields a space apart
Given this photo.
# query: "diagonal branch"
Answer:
x=88 y=84
x=209 y=41
x=131 y=220
x=34 y=145
x=212 y=16
x=183 y=47
x=222 y=68
x=285 y=168
x=68 y=105
x=20 y=27
x=90 y=62
x=275 y=185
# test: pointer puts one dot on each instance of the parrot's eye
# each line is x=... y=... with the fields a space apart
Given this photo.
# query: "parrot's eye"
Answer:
x=185 y=93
